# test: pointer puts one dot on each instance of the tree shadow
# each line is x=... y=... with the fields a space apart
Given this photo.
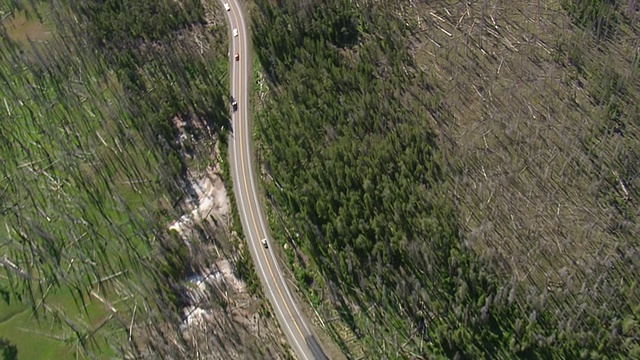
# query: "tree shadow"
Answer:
x=8 y=350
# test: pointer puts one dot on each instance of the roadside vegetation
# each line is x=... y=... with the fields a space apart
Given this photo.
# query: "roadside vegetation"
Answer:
x=457 y=179
x=108 y=109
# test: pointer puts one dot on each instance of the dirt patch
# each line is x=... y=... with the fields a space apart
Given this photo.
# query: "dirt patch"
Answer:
x=22 y=29
x=222 y=321
x=208 y=203
x=219 y=317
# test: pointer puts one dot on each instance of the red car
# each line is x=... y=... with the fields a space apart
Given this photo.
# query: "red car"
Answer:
x=237 y=56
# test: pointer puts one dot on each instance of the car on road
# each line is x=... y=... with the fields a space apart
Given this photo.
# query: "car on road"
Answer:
x=237 y=57
x=264 y=243
x=227 y=7
x=234 y=104
x=235 y=32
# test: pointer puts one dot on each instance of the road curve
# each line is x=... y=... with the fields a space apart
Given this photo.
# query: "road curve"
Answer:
x=292 y=322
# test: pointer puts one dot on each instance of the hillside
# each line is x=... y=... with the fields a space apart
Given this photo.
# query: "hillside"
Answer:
x=457 y=179
x=117 y=239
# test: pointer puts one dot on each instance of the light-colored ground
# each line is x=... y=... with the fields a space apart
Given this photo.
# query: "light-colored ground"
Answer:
x=208 y=203
x=221 y=320
x=22 y=29
x=528 y=192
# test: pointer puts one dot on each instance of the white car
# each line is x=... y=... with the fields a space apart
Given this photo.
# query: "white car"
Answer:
x=264 y=243
x=227 y=7
x=235 y=32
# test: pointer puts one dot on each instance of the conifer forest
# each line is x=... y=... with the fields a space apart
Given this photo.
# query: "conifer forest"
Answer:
x=443 y=179
x=457 y=179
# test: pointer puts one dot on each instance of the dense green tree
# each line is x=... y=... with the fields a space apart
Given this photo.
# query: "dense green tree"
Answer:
x=347 y=136
x=8 y=350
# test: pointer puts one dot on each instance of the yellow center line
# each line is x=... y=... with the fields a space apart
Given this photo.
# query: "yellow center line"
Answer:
x=244 y=176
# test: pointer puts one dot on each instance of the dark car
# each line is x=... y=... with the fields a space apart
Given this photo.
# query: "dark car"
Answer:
x=234 y=104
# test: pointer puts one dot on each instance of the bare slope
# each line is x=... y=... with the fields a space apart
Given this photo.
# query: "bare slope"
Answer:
x=545 y=131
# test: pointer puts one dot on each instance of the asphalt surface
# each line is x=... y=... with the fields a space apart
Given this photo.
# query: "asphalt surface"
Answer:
x=292 y=322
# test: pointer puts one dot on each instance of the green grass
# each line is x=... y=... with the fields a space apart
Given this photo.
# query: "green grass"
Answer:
x=30 y=332
x=81 y=187
x=44 y=337
x=92 y=174
x=31 y=341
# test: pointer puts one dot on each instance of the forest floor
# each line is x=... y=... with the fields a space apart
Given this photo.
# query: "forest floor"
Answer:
x=541 y=166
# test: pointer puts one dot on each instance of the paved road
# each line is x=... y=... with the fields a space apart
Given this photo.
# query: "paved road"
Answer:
x=291 y=320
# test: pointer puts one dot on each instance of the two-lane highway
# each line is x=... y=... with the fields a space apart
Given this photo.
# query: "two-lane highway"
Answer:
x=287 y=312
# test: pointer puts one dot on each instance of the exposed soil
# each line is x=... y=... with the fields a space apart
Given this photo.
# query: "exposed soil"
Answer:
x=209 y=203
x=221 y=319
x=22 y=29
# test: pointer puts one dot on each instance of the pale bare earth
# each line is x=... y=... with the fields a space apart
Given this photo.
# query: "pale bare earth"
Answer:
x=221 y=320
x=209 y=203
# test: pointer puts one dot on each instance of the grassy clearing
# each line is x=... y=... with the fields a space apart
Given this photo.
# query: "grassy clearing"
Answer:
x=42 y=335
x=108 y=125
x=37 y=335
x=90 y=178
x=54 y=149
